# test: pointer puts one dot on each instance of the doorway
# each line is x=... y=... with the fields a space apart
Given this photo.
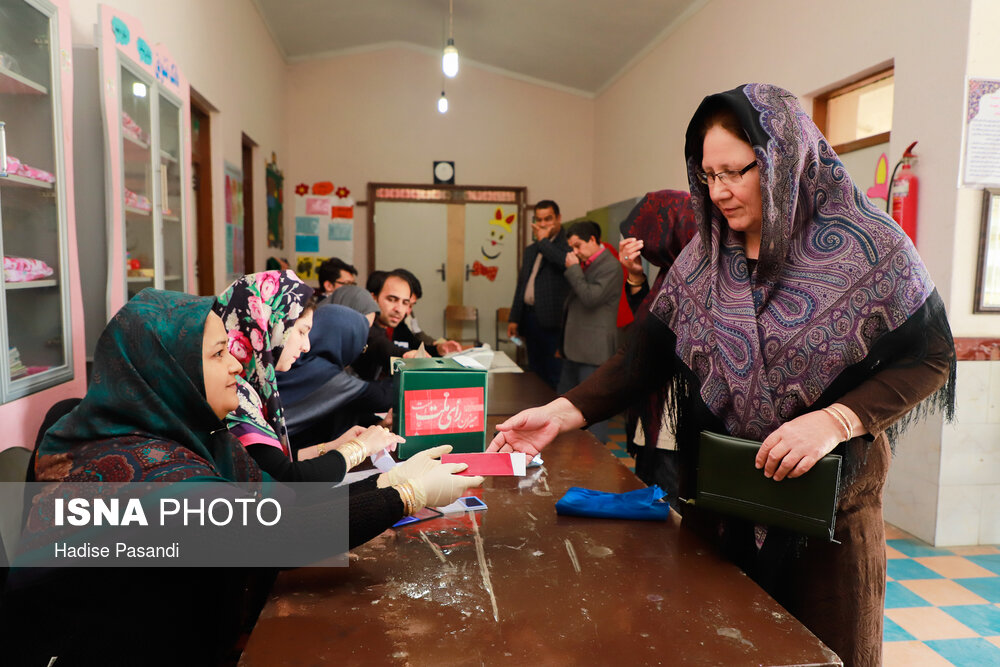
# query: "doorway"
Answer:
x=201 y=184
x=464 y=243
x=248 y=149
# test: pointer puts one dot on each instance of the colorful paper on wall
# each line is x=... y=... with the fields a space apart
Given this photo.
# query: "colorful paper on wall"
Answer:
x=307 y=225
x=340 y=231
x=307 y=267
x=306 y=243
x=235 y=263
x=324 y=218
x=318 y=206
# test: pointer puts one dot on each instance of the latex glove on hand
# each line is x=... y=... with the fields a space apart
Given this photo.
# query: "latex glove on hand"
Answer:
x=434 y=483
x=413 y=467
x=376 y=438
x=440 y=486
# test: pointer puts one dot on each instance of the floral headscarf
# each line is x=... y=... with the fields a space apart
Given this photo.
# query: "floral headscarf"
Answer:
x=259 y=310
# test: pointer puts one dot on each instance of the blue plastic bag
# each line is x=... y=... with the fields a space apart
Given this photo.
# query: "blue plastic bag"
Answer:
x=643 y=504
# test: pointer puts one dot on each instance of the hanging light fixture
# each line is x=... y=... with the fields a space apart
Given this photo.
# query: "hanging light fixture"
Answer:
x=449 y=60
x=443 y=103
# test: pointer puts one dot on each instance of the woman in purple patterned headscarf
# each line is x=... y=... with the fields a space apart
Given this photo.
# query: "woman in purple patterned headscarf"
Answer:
x=801 y=316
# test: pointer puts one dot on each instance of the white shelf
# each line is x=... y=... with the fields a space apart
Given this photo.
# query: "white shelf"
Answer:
x=134 y=141
x=22 y=181
x=139 y=279
x=31 y=283
x=171 y=218
x=138 y=211
x=169 y=277
x=13 y=83
x=167 y=157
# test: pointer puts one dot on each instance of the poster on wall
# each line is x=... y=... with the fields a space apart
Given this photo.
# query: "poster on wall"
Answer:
x=324 y=226
x=235 y=265
x=982 y=133
x=274 y=182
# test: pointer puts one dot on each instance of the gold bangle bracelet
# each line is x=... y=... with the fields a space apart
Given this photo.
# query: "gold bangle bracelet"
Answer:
x=840 y=420
x=406 y=495
x=638 y=284
x=850 y=429
x=353 y=452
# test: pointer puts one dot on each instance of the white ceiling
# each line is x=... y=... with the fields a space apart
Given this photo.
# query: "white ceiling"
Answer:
x=580 y=45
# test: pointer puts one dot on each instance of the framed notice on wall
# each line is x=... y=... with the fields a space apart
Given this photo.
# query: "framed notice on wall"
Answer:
x=982 y=133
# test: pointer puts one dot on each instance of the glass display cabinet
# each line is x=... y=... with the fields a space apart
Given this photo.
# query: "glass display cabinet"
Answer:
x=32 y=202
x=146 y=106
x=40 y=304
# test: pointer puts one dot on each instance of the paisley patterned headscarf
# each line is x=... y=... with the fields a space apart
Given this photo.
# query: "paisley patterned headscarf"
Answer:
x=145 y=416
x=259 y=311
x=838 y=289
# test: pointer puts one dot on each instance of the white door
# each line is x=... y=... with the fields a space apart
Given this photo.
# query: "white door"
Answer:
x=413 y=236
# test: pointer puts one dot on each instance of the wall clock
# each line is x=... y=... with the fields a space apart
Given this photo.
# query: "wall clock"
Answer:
x=444 y=172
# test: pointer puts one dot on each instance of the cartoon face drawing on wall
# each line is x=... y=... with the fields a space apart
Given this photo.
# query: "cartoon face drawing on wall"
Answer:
x=120 y=31
x=500 y=228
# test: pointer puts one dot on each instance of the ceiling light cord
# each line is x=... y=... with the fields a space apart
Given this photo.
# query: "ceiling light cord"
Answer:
x=449 y=58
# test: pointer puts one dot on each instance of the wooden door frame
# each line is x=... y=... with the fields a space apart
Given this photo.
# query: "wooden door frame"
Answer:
x=446 y=194
x=248 y=226
x=203 y=200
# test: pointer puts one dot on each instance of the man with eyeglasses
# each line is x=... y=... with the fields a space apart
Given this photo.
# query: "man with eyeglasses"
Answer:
x=333 y=274
x=537 y=311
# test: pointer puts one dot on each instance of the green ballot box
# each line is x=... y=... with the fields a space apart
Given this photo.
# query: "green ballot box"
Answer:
x=439 y=402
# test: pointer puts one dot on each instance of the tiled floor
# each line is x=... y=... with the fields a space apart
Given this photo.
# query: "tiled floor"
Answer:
x=942 y=605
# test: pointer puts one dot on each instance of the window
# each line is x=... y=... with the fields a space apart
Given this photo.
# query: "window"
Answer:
x=858 y=114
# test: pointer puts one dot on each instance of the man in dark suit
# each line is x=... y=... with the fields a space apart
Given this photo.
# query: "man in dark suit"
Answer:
x=537 y=311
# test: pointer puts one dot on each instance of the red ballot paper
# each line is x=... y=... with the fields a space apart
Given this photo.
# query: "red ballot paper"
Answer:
x=489 y=463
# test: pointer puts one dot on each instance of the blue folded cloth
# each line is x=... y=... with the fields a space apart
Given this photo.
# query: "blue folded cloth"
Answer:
x=644 y=504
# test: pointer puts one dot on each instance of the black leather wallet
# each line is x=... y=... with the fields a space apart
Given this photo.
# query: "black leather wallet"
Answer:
x=729 y=483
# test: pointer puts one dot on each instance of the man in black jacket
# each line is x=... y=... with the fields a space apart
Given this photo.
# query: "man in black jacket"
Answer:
x=537 y=311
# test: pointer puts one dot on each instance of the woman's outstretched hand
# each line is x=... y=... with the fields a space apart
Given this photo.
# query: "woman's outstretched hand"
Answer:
x=530 y=430
x=795 y=447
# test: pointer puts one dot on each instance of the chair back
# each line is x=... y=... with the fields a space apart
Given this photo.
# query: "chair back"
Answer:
x=460 y=316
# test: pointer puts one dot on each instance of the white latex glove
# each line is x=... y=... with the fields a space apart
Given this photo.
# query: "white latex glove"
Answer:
x=439 y=486
x=376 y=438
x=414 y=467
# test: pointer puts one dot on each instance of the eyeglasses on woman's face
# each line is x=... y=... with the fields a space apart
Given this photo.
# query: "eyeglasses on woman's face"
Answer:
x=732 y=177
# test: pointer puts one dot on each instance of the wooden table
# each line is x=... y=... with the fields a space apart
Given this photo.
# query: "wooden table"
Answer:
x=519 y=585
x=509 y=393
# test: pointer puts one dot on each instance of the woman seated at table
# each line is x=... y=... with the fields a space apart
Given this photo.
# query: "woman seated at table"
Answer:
x=269 y=322
x=322 y=399
x=162 y=384
x=802 y=317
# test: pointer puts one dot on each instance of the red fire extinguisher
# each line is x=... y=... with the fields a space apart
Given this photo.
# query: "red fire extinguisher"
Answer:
x=903 y=195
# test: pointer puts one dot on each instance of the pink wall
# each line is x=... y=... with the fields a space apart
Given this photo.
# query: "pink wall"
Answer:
x=373 y=117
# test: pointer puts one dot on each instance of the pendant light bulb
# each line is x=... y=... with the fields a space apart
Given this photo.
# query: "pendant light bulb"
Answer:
x=443 y=103
x=449 y=61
